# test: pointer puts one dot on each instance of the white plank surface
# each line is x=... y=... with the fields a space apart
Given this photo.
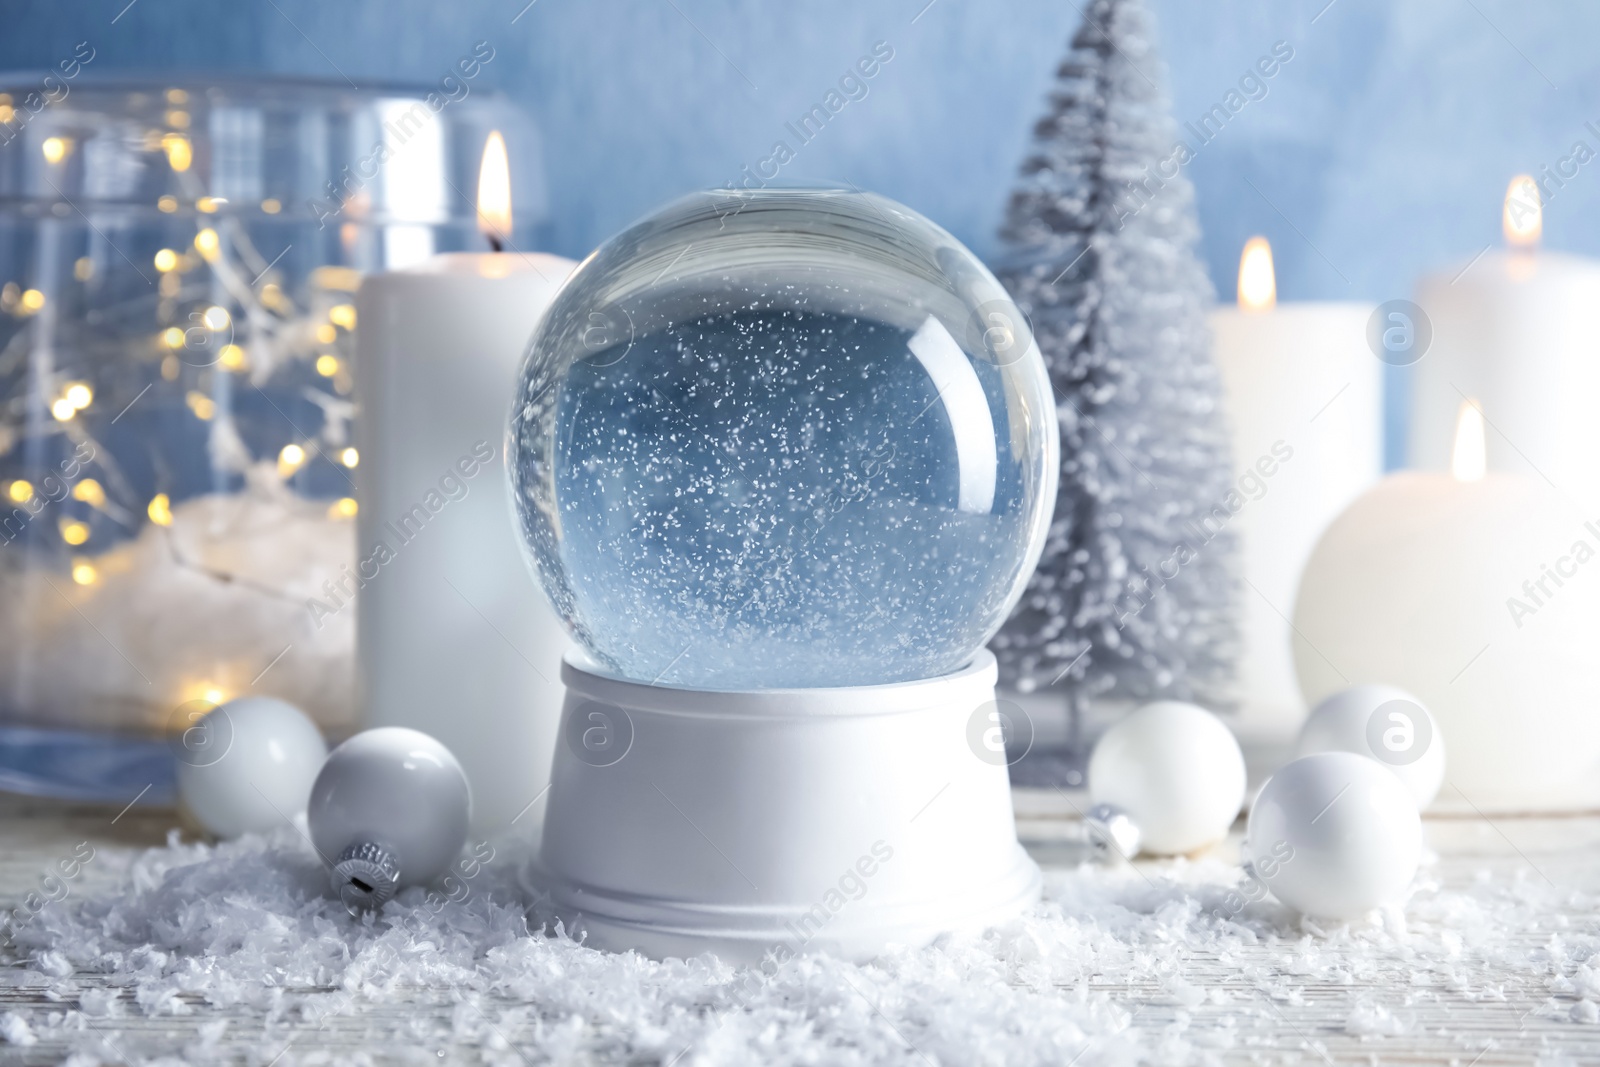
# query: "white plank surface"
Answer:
x=1521 y=1022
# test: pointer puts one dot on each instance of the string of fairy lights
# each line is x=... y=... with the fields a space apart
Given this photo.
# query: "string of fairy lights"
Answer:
x=224 y=285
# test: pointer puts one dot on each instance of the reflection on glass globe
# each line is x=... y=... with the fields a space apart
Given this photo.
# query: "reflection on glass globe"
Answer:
x=783 y=439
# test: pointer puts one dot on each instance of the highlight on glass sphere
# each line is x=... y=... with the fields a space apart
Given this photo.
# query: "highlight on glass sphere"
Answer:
x=783 y=438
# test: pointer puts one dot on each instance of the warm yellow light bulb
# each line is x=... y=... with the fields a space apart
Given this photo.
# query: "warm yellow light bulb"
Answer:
x=55 y=149
x=326 y=334
x=271 y=205
x=208 y=204
x=172 y=337
x=20 y=491
x=204 y=408
x=179 y=155
x=90 y=492
x=168 y=204
x=84 y=573
x=83 y=268
x=160 y=510
x=343 y=508
x=272 y=296
x=343 y=315
x=350 y=457
x=166 y=260
x=32 y=300
x=327 y=365
x=79 y=395
x=232 y=357
x=291 y=459
x=216 y=317
x=63 y=410
x=74 y=532
x=206 y=243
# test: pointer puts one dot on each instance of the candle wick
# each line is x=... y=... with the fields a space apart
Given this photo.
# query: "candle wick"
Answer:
x=495 y=244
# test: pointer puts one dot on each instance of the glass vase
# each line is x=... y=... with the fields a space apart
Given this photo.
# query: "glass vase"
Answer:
x=178 y=263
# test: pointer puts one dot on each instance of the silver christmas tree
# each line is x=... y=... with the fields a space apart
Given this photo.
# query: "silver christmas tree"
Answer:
x=1134 y=596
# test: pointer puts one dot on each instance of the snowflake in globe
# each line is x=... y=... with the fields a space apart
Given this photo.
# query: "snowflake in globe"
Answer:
x=783 y=439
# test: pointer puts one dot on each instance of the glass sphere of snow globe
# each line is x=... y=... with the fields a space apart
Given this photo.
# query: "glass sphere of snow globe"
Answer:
x=783 y=438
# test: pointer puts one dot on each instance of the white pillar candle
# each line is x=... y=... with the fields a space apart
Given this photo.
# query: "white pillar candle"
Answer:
x=1480 y=594
x=1304 y=397
x=454 y=638
x=1518 y=330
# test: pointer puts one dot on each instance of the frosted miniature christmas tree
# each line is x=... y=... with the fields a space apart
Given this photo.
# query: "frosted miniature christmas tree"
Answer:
x=1134 y=598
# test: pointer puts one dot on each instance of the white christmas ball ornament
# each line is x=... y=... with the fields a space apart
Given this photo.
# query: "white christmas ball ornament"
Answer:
x=390 y=809
x=1389 y=725
x=1176 y=770
x=1334 y=835
x=247 y=765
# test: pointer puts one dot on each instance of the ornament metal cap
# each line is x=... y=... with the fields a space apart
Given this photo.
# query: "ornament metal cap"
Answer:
x=1112 y=832
x=365 y=875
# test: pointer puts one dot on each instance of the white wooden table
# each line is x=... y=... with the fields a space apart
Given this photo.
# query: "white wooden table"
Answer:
x=1522 y=1022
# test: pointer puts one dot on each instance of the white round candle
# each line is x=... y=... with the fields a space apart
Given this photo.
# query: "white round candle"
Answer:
x=1304 y=397
x=1477 y=596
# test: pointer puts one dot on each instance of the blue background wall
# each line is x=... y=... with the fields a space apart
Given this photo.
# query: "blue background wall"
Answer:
x=1381 y=150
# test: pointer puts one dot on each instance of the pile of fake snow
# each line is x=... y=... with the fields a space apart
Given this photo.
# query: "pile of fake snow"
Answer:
x=1116 y=965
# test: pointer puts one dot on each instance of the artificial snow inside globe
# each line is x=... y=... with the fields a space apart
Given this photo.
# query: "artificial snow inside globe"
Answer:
x=783 y=461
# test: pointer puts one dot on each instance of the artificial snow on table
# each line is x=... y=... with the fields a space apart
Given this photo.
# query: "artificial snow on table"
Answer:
x=1159 y=962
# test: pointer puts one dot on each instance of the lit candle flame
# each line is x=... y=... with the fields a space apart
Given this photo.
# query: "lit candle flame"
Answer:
x=1258 y=284
x=494 y=191
x=1469 y=460
x=1523 y=217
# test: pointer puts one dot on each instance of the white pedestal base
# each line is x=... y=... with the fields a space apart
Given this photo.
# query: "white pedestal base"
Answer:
x=828 y=820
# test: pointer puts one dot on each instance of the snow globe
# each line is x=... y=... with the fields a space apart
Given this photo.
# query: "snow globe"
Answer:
x=783 y=461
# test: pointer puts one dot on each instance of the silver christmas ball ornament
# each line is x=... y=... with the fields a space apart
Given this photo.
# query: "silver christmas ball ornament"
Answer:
x=1112 y=832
